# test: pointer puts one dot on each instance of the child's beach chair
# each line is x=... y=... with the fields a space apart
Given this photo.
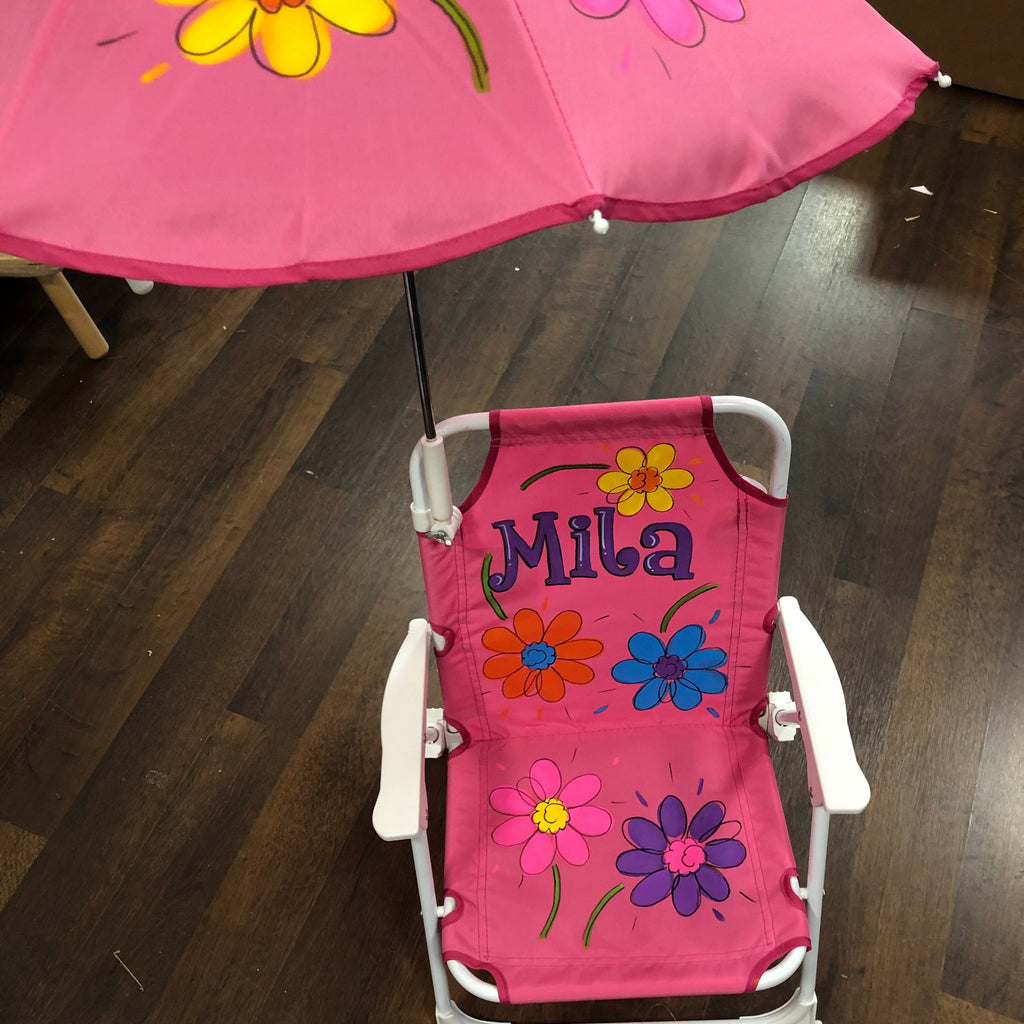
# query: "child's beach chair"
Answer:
x=601 y=609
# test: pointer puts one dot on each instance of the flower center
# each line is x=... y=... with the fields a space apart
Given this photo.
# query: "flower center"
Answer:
x=551 y=815
x=683 y=856
x=273 y=6
x=645 y=479
x=668 y=666
x=538 y=655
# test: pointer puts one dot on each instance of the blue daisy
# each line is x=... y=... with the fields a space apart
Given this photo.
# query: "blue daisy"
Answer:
x=681 y=671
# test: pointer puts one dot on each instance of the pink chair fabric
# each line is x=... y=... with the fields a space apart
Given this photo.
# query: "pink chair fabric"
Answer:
x=613 y=823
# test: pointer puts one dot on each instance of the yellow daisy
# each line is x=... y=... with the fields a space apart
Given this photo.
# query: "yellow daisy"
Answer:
x=644 y=478
x=290 y=38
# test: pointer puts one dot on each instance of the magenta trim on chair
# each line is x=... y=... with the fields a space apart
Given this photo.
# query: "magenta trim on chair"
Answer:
x=723 y=460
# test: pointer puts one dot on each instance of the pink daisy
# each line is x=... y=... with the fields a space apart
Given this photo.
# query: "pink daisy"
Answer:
x=549 y=817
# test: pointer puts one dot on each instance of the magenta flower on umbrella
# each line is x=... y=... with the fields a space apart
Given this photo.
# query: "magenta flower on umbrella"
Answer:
x=681 y=859
x=681 y=20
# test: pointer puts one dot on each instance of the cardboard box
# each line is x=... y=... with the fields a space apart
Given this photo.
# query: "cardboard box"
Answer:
x=979 y=42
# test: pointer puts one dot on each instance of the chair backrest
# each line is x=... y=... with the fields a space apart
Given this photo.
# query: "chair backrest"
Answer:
x=612 y=570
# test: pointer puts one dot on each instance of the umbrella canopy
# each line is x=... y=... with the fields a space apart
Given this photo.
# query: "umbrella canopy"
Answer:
x=243 y=142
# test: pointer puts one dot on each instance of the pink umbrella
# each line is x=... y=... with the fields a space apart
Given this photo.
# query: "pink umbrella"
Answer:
x=247 y=142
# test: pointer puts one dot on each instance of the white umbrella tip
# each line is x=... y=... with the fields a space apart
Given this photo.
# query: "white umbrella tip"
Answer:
x=600 y=224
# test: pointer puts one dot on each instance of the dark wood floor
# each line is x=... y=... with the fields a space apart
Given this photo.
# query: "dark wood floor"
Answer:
x=206 y=564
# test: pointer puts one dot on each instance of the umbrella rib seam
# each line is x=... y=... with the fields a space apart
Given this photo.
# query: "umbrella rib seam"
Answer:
x=554 y=99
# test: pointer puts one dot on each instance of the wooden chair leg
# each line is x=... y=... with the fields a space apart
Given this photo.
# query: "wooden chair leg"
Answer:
x=75 y=315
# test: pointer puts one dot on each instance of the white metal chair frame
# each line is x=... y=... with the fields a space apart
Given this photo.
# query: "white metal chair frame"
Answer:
x=410 y=732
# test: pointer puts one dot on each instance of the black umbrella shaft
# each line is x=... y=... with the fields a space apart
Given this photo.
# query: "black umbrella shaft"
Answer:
x=419 y=357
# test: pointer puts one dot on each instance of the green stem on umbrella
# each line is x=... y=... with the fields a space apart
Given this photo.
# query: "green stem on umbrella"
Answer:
x=471 y=40
x=485 y=574
x=558 y=469
x=556 y=899
x=602 y=903
x=686 y=597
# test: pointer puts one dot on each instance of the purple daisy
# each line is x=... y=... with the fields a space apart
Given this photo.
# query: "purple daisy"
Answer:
x=680 y=859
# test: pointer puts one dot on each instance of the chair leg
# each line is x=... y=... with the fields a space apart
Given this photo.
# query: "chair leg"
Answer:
x=75 y=315
x=815 y=893
x=446 y=1012
x=428 y=909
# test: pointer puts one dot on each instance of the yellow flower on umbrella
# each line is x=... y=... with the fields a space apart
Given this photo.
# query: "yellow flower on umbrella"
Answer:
x=291 y=38
x=644 y=478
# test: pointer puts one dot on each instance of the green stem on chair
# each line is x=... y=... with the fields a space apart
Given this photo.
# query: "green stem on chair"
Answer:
x=602 y=903
x=558 y=469
x=556 y=899
x=686 y=597
x=471 y=40
x=485 y=573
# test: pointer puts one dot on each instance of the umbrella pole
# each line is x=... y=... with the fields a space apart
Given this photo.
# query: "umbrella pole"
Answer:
x=437 y=517
x=418 y=354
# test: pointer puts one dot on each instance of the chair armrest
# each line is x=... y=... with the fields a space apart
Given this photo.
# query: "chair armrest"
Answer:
x=401 y=808
x=835 y=779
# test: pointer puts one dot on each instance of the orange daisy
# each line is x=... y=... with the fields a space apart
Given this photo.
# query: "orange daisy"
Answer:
x=533 y=659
